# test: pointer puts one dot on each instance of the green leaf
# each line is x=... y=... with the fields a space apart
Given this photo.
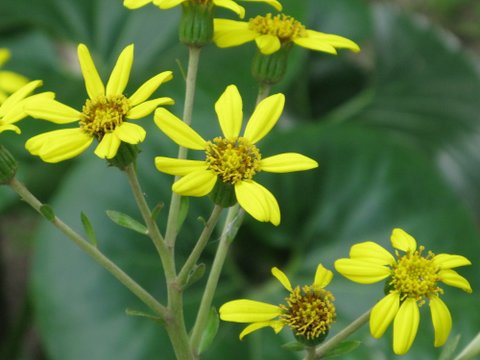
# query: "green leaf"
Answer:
x=87 y=226
x=133 y=312
x=343 y=348
x=47 y=212
x=195 y=274
x=210 y=331
x=126 y=221
x=182 y=214
x=156 y=210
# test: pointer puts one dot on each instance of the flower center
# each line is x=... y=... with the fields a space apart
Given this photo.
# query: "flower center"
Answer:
x=233 y=160
x=282 y=26
x=103 y=114
x=415 y=276
x=310 y=312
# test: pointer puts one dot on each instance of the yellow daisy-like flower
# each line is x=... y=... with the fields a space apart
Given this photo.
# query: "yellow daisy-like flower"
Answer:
x=227 y=4
x=308 y=311
x=9 y=80
x=412 y=279
x=12 y=109
x=103 y=116
x=231 y=159
x=271 y=32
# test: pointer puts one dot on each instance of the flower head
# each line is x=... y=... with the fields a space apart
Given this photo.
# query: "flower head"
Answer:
x=413 y=278
x=231 y=159
x=308 y=310
x=9 y=80
x=104 y=115
x=272 y=32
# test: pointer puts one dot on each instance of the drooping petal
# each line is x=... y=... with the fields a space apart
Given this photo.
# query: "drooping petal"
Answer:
x=369 y=251
x=441 y=319
x=280 y=275
x=273 y=3
x=403 y=241
x=323 y=277
x=135 y=4
x=228 y=33
x=361 y=271
x=447 y=261
x=5 y=127
x=197 y=183
x=52 y=110
x=93 y=82
x=167 y=4
x=59 y=145
x=149 y=87
x=452 y=278
x=108 y=146
x=276 y=325
x=246 y=311
x=121 y=72
x=383 y=314
x=314 y=44
x=147 y=107
x=11 y=81
x=178 y=167
x=130 y=133
x=231 y=5
x=229 y=110
x=337 y=41
x=273 y=205
x=257 y=201
x=178 y=131
x=264 y=117
x=405 y=326
x=287 y=162
x=17 y=112
x=18 y=95
x=268 y=44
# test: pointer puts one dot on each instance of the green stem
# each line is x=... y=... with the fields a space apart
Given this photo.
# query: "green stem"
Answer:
x=93 y=251
x=263 y=91
x=193 y=60
x=471 y=351
x=199 y=246
x=310 y=353
x=323 y=349
x=230 y=229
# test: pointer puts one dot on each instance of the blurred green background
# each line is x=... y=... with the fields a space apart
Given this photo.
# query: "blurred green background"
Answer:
x=396 y=130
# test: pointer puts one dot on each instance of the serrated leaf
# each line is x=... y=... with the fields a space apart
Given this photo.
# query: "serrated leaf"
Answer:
x=343 y=348
x=87 y=226
x=210 y=331
x=126 y=221
x=47 y=212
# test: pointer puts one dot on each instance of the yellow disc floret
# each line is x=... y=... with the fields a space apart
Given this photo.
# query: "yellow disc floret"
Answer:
x=103 y=114
x=233 y=160
x=282 y=26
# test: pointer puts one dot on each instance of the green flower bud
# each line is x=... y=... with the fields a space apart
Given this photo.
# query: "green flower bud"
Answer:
x=270 y=69
x=126 y=154
x=223 y=194
x=196 y=24
x=311 y=342
x=8 y=166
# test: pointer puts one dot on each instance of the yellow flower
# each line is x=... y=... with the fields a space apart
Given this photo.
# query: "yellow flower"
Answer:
x=309 y=310
x=103 y=116
x=9 y=81
x=12 y=109
x=412 y=279
x=231 y=159
x=271 y=32
x=228 y=4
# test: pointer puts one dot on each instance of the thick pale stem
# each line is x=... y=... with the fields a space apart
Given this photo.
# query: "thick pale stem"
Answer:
x=471 y=351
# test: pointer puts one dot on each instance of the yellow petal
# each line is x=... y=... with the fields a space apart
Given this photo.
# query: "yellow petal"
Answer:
x=369 y=251
x=178 y=131
x=93 y=82
x=323 y=277
x=197 y=183
x=264 y=117
x=268 y=44
x=121 y=72
x=403 y=241
x=59 y=145
x=383 y=314
x=147 y=107
x=228 y=33
x=405 y=326
x=447 y=261
x=149 y=87
x=273 y=3
x=130 y=133
x=452 y=278
x=441 y=319
x=229 y=111
x=108 y=146
x=17 y=112
x=257 y=201
x=246 y=311
x=167 y=4
x=361 y=271
x=11 y=81
x=135 y=4
x=277 y=326
x=4 y=55
x=18 y=95
x=51 y=110
x=178 y=167
x=10 y=127
x=231 y=5
x=314 y=44
x=336 y=41
x=280 y=275
x=287 y=162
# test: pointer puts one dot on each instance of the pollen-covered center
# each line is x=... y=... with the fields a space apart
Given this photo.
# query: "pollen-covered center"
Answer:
x=233 y=160
x=310 y=312
x=415 y=276
x=103 y=114
x=282 y=26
